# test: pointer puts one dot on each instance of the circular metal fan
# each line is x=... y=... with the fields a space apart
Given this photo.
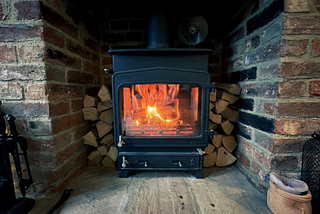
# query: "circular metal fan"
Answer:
x=193 y=30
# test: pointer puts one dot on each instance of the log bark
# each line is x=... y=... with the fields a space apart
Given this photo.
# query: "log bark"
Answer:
x=210 y=160
x=90 y=113
x=213 y=96
x=107 y=116
x=231 y=88
x=103 y=128
x=90 y=101
x=104 y=93
x=91 y=138
x=224 y=157
x=95 y=156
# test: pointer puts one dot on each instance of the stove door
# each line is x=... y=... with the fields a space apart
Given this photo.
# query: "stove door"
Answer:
x=159 y=110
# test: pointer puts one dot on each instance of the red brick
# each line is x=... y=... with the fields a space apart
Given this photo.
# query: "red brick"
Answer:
x=40 y=127
x=76 y=105
x=301 y=25
x=68 y=152
x=53 y=36
x=58 y=21
x=258 y=171
x=79 y=131
x=284 y=163
x=261 y=156
x=60 y=108
x=57 y=57
x=91 y=67
x=215 y=58
x=62 y=92
x=299 y=109
x=44 y=160
x=107 y=60
x=215 y=69
x=19 y=33
x=29 y=53
x=296 y=6
x=22 y=72
x=316 y=47
x=95 y=58
x=292 y=89
x=28 y=10
x=75 y=76
x=246 y=146
x=8 y=54
x=288 y=145
x=77 y=49
x=37 y=92
x=81 y=159
x=66 y=122
x=307 y=69
x=243 y=160
x=294 y=47
x=11 y=91
x=52 y=144
x=314 y=88
x=89 y=42
x=2 y=16
x=297 y=126
x=55 y=73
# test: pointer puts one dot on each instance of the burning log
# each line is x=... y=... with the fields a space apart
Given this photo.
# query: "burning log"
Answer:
x=98 y=110
x=222 y=115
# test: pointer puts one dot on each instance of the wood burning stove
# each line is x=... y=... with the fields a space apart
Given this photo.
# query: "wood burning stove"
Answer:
x=160 y=109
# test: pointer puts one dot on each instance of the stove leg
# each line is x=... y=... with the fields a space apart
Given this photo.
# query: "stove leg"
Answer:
x=197 y=173
x=124 y=173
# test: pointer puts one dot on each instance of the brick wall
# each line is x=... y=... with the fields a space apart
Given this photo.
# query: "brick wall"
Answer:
x=271 y=51
x=49 y=61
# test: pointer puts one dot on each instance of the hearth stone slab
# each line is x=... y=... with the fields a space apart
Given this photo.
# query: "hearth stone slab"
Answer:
x=99 y=190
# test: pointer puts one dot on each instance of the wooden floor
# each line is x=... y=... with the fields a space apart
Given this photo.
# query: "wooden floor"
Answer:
x=98 y=190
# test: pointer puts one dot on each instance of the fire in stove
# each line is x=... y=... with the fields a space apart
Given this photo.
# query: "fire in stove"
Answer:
x=160 y=109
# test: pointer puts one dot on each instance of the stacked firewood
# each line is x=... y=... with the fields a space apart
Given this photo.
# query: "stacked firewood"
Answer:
x=98 y=109
x=222 y=116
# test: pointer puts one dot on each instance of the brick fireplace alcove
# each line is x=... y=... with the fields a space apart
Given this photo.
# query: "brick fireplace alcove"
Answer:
x=53 y=52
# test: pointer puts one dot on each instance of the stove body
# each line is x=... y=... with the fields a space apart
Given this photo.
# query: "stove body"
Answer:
x=161 y=108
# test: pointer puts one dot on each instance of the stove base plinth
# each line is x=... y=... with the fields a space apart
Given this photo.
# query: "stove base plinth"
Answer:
x=197 y=173
x=124 y=173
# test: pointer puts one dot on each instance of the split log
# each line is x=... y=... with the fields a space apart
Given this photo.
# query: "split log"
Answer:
x=212 y=126
x=103 y=128
x=108 y=162
x=229 y=142
x=103 y=150
x=230 y=114
x=91 y=138
x=213 y=96
x=216 y=118
x=221 y=105
x=90 y=113
x=102 y=106
x=107 y=116
x=224 y=157
x=231 y=88
x=217 y=140
x=90 y=101
x=108 y=140
x=229 y=97
x=209 y=149
x=113 y=153
x=95 y=156
x=210 y=160
x=227 y=127
x=211 y=106
x=104 y=93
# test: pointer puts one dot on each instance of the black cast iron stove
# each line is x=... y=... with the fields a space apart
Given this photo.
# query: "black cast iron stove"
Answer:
x=161 y=108
x=161 y=104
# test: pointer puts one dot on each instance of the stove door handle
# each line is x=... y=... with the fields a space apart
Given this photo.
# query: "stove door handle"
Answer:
x=121 y=142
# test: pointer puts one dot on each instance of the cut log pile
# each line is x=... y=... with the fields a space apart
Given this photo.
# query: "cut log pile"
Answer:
x=222 y=116
x=98 y=109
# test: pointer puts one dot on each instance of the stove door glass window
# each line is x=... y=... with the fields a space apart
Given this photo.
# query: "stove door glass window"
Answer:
x=160 y=110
